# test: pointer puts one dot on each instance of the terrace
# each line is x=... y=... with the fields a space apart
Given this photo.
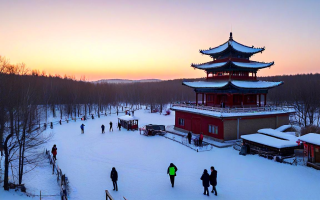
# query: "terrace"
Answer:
x=223 y=112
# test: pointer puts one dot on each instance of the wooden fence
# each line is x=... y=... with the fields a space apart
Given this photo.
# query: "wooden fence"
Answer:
x=61 y=178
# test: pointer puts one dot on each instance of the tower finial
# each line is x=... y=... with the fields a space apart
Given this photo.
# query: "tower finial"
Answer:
x=230 y=38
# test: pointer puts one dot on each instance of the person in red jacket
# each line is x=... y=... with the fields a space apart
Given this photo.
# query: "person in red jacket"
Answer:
x=200 y=139
x=54 y=152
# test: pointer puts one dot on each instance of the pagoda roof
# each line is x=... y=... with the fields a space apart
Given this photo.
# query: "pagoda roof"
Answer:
x=234 y=83
x=248 y=65
x=231 y=44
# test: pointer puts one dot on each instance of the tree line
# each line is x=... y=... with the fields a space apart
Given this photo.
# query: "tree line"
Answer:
x=27 y=96
x=300 y=91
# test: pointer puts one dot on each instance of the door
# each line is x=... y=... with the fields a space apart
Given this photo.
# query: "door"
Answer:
x=317 y=154
x=196 y=125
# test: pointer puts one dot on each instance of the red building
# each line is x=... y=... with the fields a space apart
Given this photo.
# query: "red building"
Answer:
x=231 y=93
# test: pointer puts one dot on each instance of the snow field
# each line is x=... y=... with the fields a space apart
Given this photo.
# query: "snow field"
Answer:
x=142 y=163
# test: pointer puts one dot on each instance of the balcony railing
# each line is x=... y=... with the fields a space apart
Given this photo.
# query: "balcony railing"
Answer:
x=268 y=108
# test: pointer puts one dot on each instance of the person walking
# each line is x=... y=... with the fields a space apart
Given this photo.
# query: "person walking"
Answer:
x=82 y=128
x=54 y=152
x=110 y=127
x=172 y=169
x=200 y=139
x=102 y=128
x=213 y=180
x=189 y=137
x=114 y=178
x=205 y=182
x=119 y=126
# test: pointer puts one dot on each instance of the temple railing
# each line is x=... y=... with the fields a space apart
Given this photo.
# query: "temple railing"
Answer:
x=268 y=108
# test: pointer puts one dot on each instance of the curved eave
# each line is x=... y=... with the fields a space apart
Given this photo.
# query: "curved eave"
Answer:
x=209 y=65
x=231 y=44
x=245 y=49
x=255 y=84
x=216 y=50
x=206 y=84
x=253 y=65
x=249 y=65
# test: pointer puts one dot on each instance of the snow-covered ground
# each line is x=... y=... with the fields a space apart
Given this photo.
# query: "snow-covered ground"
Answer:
x=142 y=163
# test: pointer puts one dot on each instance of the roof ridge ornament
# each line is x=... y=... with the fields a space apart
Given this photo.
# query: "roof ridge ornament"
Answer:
x=230 y=38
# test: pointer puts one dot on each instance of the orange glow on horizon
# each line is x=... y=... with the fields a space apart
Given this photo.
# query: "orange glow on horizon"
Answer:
x=154 y=39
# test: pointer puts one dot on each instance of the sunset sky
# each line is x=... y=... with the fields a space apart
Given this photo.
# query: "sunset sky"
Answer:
x=142 y=39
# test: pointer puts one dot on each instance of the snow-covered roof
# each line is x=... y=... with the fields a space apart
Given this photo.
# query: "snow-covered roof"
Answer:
x=278 y=134
x=251 y=65
x=269 y=141
x=233 y=44
x=225 y=113
x=285 y=127
x=239 y=84
x=312 y=138
x=206 y=84
x=255 y=84
x=128 y=118
x=209 y=65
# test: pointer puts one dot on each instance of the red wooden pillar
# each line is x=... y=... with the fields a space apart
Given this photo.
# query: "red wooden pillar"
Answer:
x=242 y=101
x=259 y=100
x=202 y=98
x=196 y=99
x=215 y=100
x=265 y=99
x=231 y=100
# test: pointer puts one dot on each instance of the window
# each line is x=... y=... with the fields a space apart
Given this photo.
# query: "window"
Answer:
x=181 y=122
x=213 y=129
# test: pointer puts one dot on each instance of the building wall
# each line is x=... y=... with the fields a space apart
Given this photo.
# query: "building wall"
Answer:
x=250 y=125
x=230 y=129
x=227 y=127
x=199 y=123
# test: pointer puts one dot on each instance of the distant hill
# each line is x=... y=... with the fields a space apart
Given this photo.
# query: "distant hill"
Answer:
x=119 y=81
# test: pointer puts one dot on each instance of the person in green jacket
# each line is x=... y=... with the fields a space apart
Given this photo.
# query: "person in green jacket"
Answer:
x=172 y=169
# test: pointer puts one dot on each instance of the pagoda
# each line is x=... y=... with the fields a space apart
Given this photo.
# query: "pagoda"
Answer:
x=232 y=77
x=231 y=103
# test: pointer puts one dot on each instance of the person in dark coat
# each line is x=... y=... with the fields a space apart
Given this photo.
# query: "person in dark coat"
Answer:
x=92 y=116
x=119 y=126
x=172 y=169
x=54 y=152
x=205 y=182
x=51 y=125
x=102 y=128
x=213 y=180
x=189 y=137
x=82 y=128
x=110 y=127
x=114 y=178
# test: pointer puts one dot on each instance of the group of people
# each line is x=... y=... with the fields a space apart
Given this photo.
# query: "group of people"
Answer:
x=207 y=179
x=102 y=127
x=200 y=139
